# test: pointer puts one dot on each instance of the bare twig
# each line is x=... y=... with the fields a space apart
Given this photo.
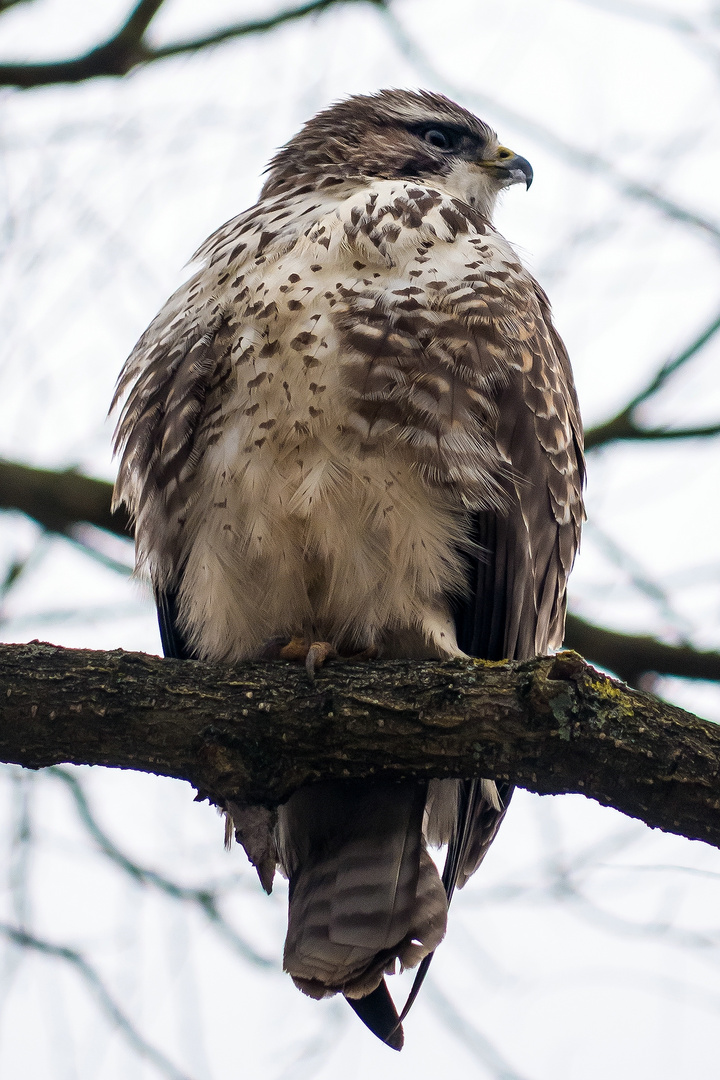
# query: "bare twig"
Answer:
x=638 y=577
x=565 y=888
x=129 y=49
x=205 y=899
x=255 y=26
x=475 y=1040
x=691 y=31
x=124 y=51
x=624 y=427
x=628 y=431
x=117 y=1017
x=646 y=13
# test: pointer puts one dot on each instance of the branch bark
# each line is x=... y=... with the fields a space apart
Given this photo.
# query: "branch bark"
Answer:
x=255 y=732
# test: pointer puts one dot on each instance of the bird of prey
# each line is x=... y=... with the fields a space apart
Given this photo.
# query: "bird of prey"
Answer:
x=354 y=431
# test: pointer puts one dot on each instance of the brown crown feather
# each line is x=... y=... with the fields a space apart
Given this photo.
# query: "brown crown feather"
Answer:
x=374 y=135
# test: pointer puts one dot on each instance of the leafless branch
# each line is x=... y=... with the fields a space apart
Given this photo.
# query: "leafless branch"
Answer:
x=129 y=48
x=624 y=427
x=60 y=500
x=646 y=13
x=475 y=1040
x=638 y=577
x=256 y=26
x=627 y=431
x=691 y=31
x=253 y=733
x=631 y=655
x=205 y=899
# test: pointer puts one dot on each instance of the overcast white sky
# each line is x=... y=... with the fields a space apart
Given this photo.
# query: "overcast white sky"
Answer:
x=107 y=188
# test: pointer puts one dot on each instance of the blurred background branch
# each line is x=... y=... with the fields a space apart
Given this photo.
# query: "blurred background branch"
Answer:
x=624 y=427
x=129 y=48
x=105 y=1000
x=60 y=501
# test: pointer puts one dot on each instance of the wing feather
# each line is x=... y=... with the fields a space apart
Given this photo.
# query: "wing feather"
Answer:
x=521 y=553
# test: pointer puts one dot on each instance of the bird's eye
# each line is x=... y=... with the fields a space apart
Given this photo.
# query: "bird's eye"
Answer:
x=441 y=138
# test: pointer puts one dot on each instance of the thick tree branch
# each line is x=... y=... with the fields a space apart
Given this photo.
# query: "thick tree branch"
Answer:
x=129 y=48
x=256 y=732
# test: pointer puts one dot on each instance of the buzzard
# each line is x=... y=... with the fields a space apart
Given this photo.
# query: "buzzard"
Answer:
x=354 y=432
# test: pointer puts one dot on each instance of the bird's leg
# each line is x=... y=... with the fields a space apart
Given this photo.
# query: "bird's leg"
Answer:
x=365 y=654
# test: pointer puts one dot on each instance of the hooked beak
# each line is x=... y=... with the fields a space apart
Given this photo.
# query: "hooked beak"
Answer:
x=512 y=168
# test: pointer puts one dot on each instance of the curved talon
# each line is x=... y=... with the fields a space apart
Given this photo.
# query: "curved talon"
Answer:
x=317 y=654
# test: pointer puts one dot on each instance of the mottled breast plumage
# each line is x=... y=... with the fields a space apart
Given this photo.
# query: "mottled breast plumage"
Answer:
x=381 y=324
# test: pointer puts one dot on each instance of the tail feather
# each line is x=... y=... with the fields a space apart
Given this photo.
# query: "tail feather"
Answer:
x=482 y=806
x=377 y=1011
x=364 y=893
x=375 y=885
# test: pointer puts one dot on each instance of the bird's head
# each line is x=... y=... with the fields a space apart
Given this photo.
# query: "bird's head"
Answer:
x=401 y=134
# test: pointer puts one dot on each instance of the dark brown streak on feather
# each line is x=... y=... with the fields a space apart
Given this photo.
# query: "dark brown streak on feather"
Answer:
x=160 y=421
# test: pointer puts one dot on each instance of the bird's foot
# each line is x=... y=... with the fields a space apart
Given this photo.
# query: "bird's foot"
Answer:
x=296 y=649
x=317 y=654
x=320 y=651
x=314 y=654
x=366 y=654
